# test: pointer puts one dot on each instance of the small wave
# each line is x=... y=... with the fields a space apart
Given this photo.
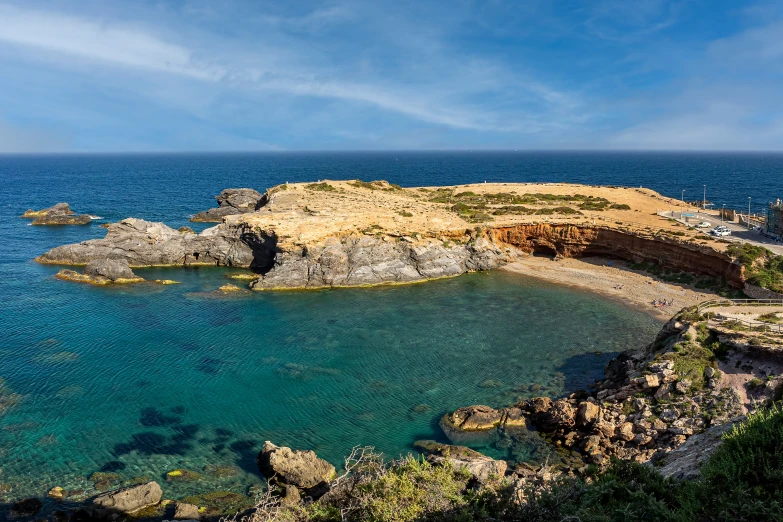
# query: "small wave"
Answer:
x=95 y=217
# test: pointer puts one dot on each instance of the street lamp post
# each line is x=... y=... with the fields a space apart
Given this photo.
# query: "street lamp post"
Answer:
x=748 y=212
x=722 y=212
x=682 y=203
x=704 y=201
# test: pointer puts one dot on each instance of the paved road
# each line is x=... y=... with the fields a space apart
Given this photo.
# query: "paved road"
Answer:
x=738 y=232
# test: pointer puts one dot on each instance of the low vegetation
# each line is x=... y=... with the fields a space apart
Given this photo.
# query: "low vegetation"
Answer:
x=322 y=187
x=475 y=208
x=762 y=267
x=742 y=480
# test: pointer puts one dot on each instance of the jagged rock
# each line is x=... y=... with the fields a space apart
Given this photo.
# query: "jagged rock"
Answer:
x=561 y=415
x=586 y=414
x=231 y=202
x=142 y=243
x=625 y=431
x=184 y=511
x=59 y=214
x=131 y=499
x=481 y=467
x=302 y=469
x=669 y=415
x=473 y=418
x=358 y=260
x=113 y=269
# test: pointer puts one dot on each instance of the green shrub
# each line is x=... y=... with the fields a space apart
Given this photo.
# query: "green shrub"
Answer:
x=743 y=480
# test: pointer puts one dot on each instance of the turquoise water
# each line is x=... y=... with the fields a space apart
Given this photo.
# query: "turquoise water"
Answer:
x=145 y=379
x=159 y=378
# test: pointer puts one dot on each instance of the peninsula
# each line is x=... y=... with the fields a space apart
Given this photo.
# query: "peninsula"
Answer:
x=355 y=233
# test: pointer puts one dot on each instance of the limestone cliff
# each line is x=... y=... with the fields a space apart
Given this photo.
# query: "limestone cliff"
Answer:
x=352 y=233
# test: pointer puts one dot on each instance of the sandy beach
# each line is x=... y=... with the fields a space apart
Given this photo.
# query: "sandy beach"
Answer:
x=612 y=278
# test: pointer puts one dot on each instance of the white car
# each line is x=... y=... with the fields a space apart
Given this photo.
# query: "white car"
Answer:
x=703 y=224
x=720 y=231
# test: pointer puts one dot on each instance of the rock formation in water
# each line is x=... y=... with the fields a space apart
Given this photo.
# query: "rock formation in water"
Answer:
x=143 y=244
x=300 y=469
x=231 y=202
x=59 y=214
x=355 y=233
x=102 y=272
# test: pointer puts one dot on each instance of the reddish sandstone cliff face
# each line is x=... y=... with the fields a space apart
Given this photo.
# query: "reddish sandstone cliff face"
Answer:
x=576 y=241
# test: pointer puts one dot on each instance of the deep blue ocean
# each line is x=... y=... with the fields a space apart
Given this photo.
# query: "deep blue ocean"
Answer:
x=142 y=380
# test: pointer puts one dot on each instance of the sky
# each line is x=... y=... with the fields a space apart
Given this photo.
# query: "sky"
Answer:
x=257 y=75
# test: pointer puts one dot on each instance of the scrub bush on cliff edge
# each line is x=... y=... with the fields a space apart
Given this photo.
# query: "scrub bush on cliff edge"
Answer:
x=742 y=481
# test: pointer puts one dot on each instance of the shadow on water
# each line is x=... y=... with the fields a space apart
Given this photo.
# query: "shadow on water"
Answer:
x=581 y=371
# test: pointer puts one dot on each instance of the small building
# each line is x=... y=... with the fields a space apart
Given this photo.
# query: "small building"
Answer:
x=775 y=219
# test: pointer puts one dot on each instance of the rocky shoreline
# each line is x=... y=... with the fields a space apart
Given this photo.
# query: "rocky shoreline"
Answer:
x=665 y=404
x=322 y=235
x=652 y=405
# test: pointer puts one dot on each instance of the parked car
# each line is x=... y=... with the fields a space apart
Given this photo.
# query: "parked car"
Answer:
x=720 y=231
x=703 y=224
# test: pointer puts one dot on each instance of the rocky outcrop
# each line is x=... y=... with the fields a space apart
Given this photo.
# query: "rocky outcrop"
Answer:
x=130 y=499
x=359 y=260
x=142 y=244
x=102 y=272
x=684 y=462
x=480 y=418
x=646 y=405
x=59 y=214
x=302 y=469
x=232 y=202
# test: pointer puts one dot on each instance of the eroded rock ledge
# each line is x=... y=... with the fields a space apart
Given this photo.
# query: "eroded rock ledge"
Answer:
x=353 y=233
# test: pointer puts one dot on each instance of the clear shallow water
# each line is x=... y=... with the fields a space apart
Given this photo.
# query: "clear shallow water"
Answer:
x=157 y=378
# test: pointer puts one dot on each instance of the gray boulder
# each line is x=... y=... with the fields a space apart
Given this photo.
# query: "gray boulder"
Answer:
x=112 y=269
x=302 y=469
x=231 y=202
x=130 y=499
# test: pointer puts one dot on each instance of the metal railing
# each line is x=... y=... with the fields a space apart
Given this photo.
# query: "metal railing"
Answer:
x=759 y=326
x=712 y=303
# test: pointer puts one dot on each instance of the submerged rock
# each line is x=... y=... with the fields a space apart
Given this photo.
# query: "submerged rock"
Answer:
x=231 y=202
x=26 y=508
x=59 y=214
x=131 y=499
x=8 y=399
x=302 y=469
x=185 y=511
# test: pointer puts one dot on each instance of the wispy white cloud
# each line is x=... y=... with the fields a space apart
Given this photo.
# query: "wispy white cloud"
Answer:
x=439 y=101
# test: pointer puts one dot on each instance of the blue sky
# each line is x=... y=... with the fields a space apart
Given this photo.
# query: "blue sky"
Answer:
x=231 y=75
